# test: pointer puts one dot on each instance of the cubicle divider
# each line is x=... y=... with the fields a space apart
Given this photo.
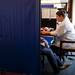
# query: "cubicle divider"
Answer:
x=19 y=36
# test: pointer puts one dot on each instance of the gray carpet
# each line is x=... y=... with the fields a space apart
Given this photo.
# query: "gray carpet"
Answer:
x=68 y=71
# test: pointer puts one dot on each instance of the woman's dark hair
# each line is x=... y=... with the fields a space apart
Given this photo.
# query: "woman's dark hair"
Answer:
x=60 y=13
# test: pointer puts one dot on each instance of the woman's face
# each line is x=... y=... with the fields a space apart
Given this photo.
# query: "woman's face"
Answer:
x=59 y=18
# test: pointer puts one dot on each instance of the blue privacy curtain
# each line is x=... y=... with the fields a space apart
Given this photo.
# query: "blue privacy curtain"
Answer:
x=19 y=36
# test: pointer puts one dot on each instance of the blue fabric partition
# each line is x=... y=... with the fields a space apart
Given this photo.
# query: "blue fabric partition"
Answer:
x=19 y=36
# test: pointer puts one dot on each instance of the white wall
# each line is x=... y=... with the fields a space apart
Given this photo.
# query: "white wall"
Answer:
x=49 y=13
x=45 y=12
x=73 y=12
x=53 y=1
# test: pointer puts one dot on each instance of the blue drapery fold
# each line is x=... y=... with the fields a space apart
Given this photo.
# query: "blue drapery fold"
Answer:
x=19 y=35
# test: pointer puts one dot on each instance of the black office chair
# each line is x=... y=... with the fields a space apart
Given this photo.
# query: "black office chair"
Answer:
x=64 y=51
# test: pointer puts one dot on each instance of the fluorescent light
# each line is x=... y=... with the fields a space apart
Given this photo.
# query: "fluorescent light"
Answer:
x=59 y=5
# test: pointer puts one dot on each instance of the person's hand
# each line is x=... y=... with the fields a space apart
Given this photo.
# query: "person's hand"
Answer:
x=44 y=32
x=46 y=29
x=41 y=29
x=51 y=29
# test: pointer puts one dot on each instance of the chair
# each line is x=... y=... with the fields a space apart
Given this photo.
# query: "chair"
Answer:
x=64 y=51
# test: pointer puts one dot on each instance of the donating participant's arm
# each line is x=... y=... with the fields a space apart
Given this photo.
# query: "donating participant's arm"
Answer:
x=48 y=33
x=58 y=32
